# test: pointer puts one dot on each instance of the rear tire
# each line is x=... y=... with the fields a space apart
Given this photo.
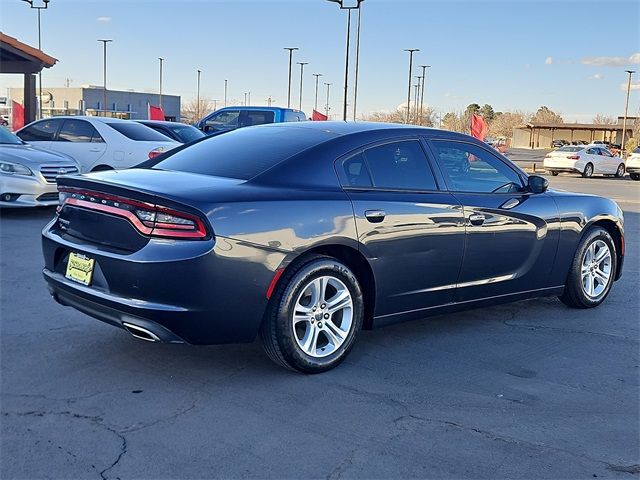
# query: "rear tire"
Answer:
x=314 y=315
x=592 y=272
x=554 y=173
x=620 y=171
x=588 y=171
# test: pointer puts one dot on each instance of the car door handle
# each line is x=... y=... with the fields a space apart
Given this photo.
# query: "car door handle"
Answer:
x=476 y=219
x=375 y=216
x=94 y=149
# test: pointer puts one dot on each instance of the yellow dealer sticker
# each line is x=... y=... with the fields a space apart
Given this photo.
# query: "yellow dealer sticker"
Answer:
x=80 y=268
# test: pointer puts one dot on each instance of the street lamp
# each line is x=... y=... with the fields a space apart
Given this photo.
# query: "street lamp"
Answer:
x=424 y=80
x=302 y=64
x=291 y=49
x=160 y=95
x=326 y=108
x=225 y=92
x=415 y=100
x=626 y=109
x=38 y=8
x=104 y=75
x=198 y=98
x=315 y=105
x=346 y=61
x=410 y=50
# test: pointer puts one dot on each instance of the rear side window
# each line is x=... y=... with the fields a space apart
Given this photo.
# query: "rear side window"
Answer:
x=40 y=131
x=243 y=153
x=138 y=132
x=357 y=172
x=294 y=116
x=79 y=131
x=249 y=118
x=400 y=166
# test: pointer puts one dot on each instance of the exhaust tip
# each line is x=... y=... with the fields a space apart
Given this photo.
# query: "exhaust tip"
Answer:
x=140 y=333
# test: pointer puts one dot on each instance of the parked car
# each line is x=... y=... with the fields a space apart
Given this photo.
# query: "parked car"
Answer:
x=558 y=143
x=305 y=233
x=579 y=142
x=230 y=118
x=97 y=143
x=633 y=164
x=180 y=132
x=28 y=175
x=584 y=160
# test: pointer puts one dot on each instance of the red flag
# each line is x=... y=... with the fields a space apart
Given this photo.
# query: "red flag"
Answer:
x=318 y=117
x=478 y=127
x=17 y=115
x=156 y=113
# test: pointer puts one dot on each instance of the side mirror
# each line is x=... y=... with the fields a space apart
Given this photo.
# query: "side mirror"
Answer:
x=537 y=184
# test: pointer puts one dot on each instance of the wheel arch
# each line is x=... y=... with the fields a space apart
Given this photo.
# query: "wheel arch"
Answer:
x=618 y=238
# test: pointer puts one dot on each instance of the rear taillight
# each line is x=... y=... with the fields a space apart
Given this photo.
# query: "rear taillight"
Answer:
x=157 y=151
x=148 y=218
x=573 y=157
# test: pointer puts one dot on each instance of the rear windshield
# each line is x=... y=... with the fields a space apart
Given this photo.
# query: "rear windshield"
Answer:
x=570 y=149
x=636 y=150
x=186 y=133
x=243 y=153
x=138 y=132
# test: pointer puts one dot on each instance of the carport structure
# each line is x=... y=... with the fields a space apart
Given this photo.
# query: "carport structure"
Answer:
x=542 y=135
x=19 y=58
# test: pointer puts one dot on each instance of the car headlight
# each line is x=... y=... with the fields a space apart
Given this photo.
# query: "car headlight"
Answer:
x=14 y=169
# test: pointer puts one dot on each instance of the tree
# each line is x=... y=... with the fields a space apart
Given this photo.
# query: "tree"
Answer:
x=504 y=123
x=190 y=113
x=456 y=121
x=601 y=119
x=472 y=108
x=487 y=112
x=546 y=115
x=399 y=116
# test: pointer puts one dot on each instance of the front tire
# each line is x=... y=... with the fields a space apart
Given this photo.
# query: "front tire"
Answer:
x=620 y=171
x=314 y=315
x=554 y=173
x=592 y=271
x=588 y=171
x=635 y=176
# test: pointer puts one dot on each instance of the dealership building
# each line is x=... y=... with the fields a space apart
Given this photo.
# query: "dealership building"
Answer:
x=89 y=100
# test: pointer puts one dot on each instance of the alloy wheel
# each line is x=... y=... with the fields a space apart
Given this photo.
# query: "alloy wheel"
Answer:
x=596 y=269
x=322 y=316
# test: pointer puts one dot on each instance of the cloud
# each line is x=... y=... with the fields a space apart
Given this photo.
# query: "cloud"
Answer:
x=596 y=76
x=548 y=61
x=634 y=86
x=104 y=19
x=611 y=61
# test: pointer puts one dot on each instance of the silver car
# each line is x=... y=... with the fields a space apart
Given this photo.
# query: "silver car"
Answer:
x=28 y=174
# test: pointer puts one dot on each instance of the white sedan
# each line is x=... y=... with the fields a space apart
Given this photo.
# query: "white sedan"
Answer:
x=585 y=160
x=97 y=143
x=633 y=164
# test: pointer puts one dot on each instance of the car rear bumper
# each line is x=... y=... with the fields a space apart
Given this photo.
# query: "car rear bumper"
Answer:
x=562 y=169
x=198 y=292
x=633 y=169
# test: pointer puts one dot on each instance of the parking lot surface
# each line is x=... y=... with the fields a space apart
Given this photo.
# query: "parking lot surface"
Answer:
x=531 y=389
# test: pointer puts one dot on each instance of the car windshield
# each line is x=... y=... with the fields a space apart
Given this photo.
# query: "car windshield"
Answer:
x=570 y=149
x=8 y=138
x=242 y=153
x=138 y=132
x=186 y=133
x=636 y=150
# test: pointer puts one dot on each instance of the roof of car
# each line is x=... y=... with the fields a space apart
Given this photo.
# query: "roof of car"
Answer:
x=345 y=128
x=162 y=122
x=239 y=107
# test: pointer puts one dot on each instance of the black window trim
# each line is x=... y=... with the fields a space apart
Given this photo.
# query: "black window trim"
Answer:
x=340 y=161
x=519 y=173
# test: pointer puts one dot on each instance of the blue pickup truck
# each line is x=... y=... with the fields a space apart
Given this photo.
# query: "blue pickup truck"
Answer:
x=230 y=118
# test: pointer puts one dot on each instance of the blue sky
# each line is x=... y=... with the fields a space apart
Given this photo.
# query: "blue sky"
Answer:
x=568 y=55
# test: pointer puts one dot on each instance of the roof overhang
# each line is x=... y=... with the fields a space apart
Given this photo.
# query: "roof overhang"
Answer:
x=18 y=57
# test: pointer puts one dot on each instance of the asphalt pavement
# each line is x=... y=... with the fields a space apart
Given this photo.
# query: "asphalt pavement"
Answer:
x=525 y=390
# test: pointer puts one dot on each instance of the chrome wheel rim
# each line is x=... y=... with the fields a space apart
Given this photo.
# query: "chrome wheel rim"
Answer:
x=596 y=269
x=322 y=316
x=620 y=170
x=588 y=171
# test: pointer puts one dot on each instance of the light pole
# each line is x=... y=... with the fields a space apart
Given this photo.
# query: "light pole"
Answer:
x=160 y=91
x=269 y=100
x=416 y=99
x=302 y=64
x=355 y=83
x=315 y=105
x=249 y=93
x=424 y=80
x=225 y=92
x=291 y=49
x=245 y=99
x=410 y=50
x=346 y=61
x=215 y=104
x=198 y=98
x=326 y=108
x=38 y=8
x=626 y=109
x=104 y=75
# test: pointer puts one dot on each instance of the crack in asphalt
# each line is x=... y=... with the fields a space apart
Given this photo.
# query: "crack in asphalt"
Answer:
x=567 y=330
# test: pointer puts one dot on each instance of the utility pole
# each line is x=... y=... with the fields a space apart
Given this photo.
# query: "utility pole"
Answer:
x=160 y=91
x=315 y=105
x=626 y=109
x=424 y=80
x=410 y=50
x=302 y=64
x=416 y=105
x=225 y=93
x=198 y=99
x=326 y=108
x=104 y=75
x=291 y=50
x=245 y=99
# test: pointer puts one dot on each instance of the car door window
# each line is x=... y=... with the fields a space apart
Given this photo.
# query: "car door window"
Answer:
x=43 y=131
x=592 y=151
x=356 y=172
x=469 y=168
x=255 y=117
x=605 y=153
x=399 y=166
x=79 y=131
x=223 y=120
